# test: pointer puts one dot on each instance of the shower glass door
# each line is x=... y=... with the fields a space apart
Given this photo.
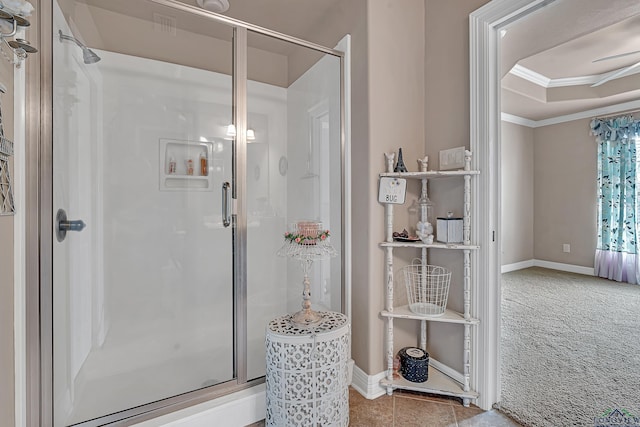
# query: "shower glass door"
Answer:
x=143 y=294
x=294 y=173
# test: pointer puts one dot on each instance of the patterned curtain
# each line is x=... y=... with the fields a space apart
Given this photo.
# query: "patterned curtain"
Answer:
x=616 y=255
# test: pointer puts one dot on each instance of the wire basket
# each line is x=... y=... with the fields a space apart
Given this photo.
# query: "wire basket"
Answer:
x=427 y=288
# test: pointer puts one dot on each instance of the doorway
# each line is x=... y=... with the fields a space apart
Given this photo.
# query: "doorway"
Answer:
x=486 y=74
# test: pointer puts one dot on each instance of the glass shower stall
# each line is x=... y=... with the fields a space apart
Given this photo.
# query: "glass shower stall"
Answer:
x=183 y=144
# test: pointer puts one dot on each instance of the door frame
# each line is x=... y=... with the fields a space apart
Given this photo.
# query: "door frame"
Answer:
x=484 y=74
x=39 y=218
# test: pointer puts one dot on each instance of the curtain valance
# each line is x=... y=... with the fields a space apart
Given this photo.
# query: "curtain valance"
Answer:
x=615 y=129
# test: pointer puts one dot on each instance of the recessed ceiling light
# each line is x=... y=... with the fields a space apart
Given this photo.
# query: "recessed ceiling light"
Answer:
x=217 y=6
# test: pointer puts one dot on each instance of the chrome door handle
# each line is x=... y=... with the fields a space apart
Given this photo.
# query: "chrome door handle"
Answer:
x=226 y=211
x=63 y=225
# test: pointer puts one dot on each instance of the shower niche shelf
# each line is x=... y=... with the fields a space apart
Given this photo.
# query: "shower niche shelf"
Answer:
x=180 y=152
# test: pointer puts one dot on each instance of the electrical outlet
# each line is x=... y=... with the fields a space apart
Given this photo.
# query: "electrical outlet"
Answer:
x=566 y=247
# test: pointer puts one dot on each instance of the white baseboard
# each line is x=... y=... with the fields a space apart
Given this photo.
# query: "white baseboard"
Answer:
x=589 y=271
x=367 y=385
x=517 y=266
x=570 y=268
x=450 y=372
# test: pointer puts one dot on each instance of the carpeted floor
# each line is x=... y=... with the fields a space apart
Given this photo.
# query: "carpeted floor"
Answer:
x=570 y=347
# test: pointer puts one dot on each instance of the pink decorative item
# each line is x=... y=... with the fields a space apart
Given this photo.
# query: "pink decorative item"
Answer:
x=306 y=242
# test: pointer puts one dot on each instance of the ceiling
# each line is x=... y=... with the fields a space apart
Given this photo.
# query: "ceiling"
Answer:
x=547 y=58
x=153 y=29
x=293 y=17
x=297 y=18
x=557 y=45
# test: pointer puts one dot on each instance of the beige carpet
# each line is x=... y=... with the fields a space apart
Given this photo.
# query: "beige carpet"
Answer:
x=570 y=347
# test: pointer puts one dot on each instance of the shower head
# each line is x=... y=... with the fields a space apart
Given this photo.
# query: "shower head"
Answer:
x=88 y=56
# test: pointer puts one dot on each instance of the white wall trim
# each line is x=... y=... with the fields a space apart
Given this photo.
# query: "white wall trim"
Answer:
x=574 y=81
x=587 y=114
x=589 y=271
x=612 y=109
x=234 y=410
x=570 y=268
x=546 y=82
x=511 y=118
x=19 y=252
x=530 y=75
x=367 y=385
x=450 y=372
x=517 y=266
x=484 y=138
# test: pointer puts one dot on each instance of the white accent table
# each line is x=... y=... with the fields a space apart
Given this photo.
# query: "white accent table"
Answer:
x=307 y=378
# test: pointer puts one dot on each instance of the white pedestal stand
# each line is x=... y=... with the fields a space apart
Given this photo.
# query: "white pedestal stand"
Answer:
x=307 y=375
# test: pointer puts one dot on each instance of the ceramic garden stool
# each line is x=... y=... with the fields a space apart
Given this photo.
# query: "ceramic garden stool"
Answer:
x=307 y=378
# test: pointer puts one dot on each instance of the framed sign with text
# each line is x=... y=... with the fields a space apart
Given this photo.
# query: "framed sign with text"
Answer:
x=392 y=190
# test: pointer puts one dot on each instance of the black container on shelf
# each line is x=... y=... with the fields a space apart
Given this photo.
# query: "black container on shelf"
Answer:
x=414 y=364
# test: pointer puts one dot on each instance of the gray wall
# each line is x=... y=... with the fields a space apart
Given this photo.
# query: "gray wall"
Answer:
x=565 y=193
x=396 y=68
x=446 y=121
x=549 y=193
x=410 y=66
x=517 y=193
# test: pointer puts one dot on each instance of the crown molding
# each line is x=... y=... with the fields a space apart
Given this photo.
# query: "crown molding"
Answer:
x=576 y=81
x=546 y=82
x=530 y=75
x=587 y=114
x=506 y=117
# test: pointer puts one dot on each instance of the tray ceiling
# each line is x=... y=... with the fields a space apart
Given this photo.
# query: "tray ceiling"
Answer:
x=548 y=59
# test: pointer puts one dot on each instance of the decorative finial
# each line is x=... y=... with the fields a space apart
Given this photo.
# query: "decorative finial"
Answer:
x=389 y=157
x=467 y=160
x=424 y=163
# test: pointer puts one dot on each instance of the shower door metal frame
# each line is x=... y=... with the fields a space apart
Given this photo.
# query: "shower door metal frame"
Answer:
x=39 y=220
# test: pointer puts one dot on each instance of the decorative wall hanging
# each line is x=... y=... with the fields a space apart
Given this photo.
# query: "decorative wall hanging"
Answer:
x=12 y=16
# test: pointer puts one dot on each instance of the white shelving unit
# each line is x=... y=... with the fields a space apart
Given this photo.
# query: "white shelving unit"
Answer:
x=438 y=382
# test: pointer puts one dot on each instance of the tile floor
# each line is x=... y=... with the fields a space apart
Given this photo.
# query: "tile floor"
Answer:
x=409 y=409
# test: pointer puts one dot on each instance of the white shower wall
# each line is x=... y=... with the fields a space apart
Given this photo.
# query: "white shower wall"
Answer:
x=152 y=105
x=315 y=181
x=167 y=258
x=146 y=311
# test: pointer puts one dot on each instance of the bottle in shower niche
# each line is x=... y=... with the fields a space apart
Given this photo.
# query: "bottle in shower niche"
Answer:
x=189 y=167
x=172 y=165
x=204 y=170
